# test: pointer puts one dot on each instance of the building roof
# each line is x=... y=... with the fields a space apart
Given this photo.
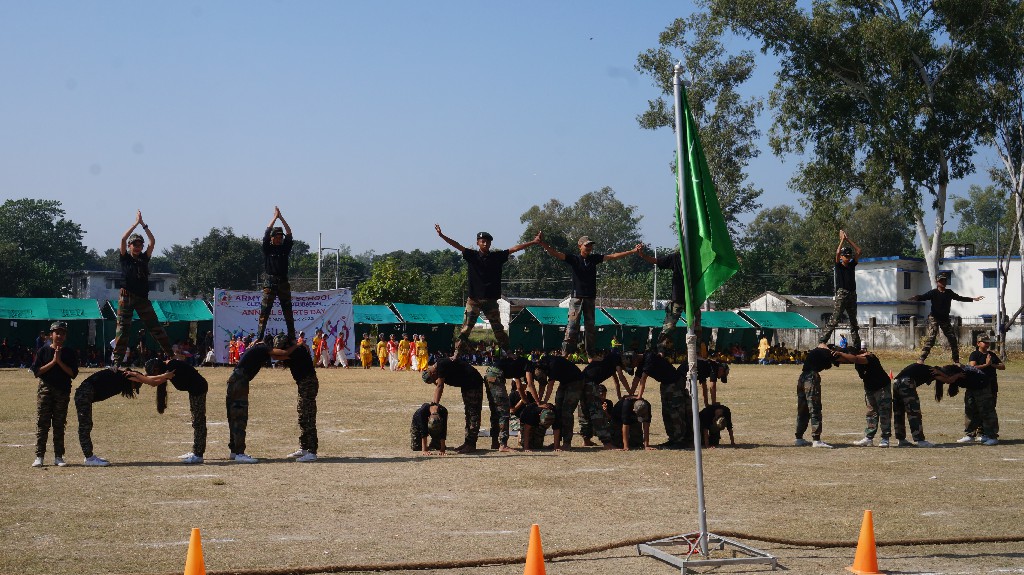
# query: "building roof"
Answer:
x=801 y=300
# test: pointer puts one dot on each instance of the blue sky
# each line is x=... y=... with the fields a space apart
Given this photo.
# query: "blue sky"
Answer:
x=367 y=122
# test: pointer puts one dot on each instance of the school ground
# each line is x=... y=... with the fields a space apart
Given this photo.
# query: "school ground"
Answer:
x=372 y=502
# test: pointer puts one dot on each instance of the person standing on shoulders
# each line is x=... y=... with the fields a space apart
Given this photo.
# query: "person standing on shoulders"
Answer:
x=677 y=305
x=277 y=247
x=941 y=298
x=846 y=290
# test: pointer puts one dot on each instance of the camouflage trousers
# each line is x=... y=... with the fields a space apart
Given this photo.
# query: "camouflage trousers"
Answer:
x=906 y=408
x=276 y=287
x=535 y=439
x=934 y=326
x=845 y=301
x=636 y=435
x=979 y=412
x=83 y=405
x=474 y=307
x=586 y=308
x=808 y=404
x=237 y=400
x=567 y=397
x=127 y=304
x=677 y=413
x=308 y=387
x=497 y=403
x=473 y=400
x=51 y=411
x=879 y=414
x=197 y=405
x=416 y=440
x=593 y=420
x=672 y=313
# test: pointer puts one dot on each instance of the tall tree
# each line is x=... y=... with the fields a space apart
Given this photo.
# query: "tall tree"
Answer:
x=727 y=121
x=889 y=88
x=613 y=225
x=390 y=283
x=219 y=260
x=881 y=226
x=41 y=248
x=981 y=213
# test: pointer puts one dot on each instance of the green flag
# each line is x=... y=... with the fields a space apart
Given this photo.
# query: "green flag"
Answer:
x=710 y=257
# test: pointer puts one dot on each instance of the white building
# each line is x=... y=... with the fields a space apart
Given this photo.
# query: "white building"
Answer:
x=106 y=285
x=815 y=308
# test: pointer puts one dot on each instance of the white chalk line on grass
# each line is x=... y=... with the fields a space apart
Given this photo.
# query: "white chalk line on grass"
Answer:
x=12 y=445
x=189 y=476
x=180 y=502
x=934 y=513
x=501 y=532
x=751 y=464
x=597 y=470
x=1011 y=459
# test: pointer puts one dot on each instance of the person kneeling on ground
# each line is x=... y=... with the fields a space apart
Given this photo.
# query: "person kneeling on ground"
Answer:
x=631 y=424
x=464 y=376
x=535 y=419
x=429 y=430
x=100 y=386
x=713 y=419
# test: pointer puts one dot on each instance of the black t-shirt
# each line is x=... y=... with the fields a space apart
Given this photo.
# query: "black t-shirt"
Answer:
x=560 y=369
x=515 y=366
x=530 y=415
x=975 y=378
x=658 y=368
x=484 y=272
x=275 y=258
x=419 y=420
x=674 y=262
x=602 y=369
x=622 y=412
x=300 y=362
x=919 y=373
x=990 y=372
x=56 y=377
x=584 y=274
x=706 y=369
x=513 y=399
x=941 y=302
x=252 y=361
x=845 y=276
x=135 y=273
x=458 y=373
x=106 y=384
x=186 y=378
x=818 y=359
x=707 y=416
x=873 y=374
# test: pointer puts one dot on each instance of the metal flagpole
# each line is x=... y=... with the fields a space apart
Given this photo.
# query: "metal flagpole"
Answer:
x=695 y=543
x=319 y=256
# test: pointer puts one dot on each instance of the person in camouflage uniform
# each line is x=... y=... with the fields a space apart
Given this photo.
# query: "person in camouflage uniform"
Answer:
x=846 y=290
x=554 y=368
x=185 y=378
x=55 y=365
x=458 y=373
x=676 y=411
x=979 y=404
x=300 y=362
x=877 y=394
x=429 y=431
x=938 y=317
x=677 y=304
x=808 y=396
x=277 y=247
x=906 y=405
x=484 y=268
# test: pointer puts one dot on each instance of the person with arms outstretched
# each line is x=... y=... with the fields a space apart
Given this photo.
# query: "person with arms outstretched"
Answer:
x=942 y=299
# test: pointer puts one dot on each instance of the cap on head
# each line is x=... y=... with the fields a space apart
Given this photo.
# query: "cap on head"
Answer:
x=584 y=241
x=484 y=236
x=720 y=422
x=59 y=325
x=135 y=238
x=985 y=339
x=944 y=278
x=642 y=409
x=281 y=341
x=278 y=231
x=435 y=426
x=846 y=251
x=427 y=375
x=547 y=416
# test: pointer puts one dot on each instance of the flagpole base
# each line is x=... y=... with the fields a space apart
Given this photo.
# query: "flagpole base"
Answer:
x=691 y=557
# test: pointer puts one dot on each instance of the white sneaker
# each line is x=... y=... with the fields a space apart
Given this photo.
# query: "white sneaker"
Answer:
x=801 y=442
x=308 y=457
x=883 y=443
x=989 y=440
x=192 y=459
x=820 y=443
x=94 y=461
x=965 y=439
x=924 y=443
x=59 y=461
x=980 y=438
x=186 y=455
x=864 y=442
x=298 y=453
x=38 y=462
x=243 y=458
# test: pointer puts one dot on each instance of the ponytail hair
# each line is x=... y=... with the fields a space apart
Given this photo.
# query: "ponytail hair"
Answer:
x=953 y=389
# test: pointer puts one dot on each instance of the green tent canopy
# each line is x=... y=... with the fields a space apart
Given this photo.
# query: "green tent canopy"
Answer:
x=38 y=308
x=778 y=320
x=541 y=327
x=184 y=310
x=640 y=317
x=373 y=314
x=723 y=320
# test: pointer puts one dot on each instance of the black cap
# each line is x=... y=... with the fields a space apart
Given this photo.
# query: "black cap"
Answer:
x=278 y=231
x=59 y=325
x=943 y=277
x=846 y=251
x=484 y=236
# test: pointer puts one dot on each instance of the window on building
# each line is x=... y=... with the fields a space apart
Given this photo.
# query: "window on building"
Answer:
x=906 y=280
x=111 y=283
x=156 y=285
x=988 y=278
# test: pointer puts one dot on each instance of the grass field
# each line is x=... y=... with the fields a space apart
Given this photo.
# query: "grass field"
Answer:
x=370 y=500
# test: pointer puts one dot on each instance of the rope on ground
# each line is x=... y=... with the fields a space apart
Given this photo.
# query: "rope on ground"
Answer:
x=466 y=563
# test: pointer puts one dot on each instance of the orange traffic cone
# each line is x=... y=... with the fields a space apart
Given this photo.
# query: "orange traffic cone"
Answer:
x=890 y=374
x=194 y=564
x=866 y=560
x=534 y=554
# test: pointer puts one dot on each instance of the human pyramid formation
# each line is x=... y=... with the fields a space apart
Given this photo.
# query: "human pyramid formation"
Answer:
x=621 y=425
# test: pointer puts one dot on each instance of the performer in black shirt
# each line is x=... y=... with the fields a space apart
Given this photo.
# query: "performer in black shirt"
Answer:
x=846 y=289
x=877 y=394
x=938 y=318
x=101 y=386
x=675 y=306
x=713 y=419
x=988 y=362
x=906 y=404
x=185 y=378
x=429 y=430
x=458 y=373
x=55 y=365
x=300 y=363
x=277 y=247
